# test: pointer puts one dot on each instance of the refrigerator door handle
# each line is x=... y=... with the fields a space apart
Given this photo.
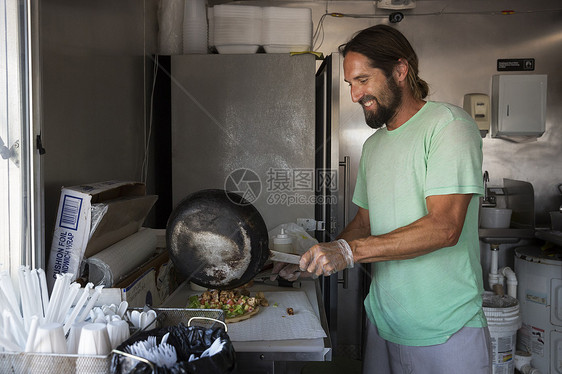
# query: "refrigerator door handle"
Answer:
x=346 y=163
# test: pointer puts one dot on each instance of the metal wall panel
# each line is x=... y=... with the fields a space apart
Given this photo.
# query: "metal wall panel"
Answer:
x=94 y=78
x=458 y=53
x=245 y=112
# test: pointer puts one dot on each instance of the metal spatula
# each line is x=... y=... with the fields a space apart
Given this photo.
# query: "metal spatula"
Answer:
x=284 y=257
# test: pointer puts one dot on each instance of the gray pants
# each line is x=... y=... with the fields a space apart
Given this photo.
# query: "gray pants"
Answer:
x=468 y=351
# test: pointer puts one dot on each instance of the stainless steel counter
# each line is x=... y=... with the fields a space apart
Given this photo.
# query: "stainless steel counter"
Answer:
x=555 y=237
x=265 y=356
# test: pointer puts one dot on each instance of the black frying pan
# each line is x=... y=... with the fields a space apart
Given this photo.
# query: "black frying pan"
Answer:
x=217 y=239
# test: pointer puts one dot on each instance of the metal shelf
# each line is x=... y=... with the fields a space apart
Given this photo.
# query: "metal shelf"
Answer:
x=554 y=237
x=505 y=236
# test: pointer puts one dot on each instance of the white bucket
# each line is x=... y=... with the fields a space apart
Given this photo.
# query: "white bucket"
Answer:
x=502 y=313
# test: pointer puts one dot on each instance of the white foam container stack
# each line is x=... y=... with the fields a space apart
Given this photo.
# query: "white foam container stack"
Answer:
x=237 y=28
x=195 y=27
x=286 y=29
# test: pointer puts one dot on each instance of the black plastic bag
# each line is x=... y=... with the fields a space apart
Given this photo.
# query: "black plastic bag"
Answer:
x=187 y=341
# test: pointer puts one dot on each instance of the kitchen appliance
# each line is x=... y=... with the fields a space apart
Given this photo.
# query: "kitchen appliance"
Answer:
x=540 y=295
x=340 y=132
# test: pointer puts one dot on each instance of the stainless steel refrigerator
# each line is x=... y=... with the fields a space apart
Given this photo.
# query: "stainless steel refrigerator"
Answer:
x=342 y=130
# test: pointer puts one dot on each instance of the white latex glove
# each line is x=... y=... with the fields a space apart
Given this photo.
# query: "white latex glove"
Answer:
x=327 y=258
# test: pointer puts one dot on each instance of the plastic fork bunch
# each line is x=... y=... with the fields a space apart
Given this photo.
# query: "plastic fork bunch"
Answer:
x=213 y=349
x=141 y=320
x=163 y=354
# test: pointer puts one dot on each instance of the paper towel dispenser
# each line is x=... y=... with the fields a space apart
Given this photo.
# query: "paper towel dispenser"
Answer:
x=518 y=105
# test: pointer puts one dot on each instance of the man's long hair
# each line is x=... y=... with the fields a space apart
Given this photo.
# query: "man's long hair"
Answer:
x=383 y=46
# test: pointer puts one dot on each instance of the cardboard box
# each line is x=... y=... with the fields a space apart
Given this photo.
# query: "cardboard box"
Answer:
x=91 y=218
x=150 y=284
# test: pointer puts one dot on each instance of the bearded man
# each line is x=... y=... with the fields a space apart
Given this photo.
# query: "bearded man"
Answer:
x=418 y=188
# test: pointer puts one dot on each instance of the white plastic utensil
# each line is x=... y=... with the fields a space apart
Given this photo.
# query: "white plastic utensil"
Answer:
x=215 y=348
x=109 y=310
x=27 y=290
x=7 y=332
x=134 y=317
x=12 y=312
x=9 y=345
x=123 y=306
x=90 y=305
x=44 y=290
x=162 y=354
x=31 y=334
x=34 y=292
x=68 y=298
x=11 y=327
x=8 y=288
x=142 y=320
x=149 y=319
x=79 y=304
x=61 y=284
x=25 y=302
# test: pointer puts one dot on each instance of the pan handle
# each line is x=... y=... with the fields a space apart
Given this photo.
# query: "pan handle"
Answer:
x=346 y=164
x=208 y=319
x=141 y=359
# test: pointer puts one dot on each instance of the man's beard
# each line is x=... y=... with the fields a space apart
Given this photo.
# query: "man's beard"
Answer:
x=376 y=119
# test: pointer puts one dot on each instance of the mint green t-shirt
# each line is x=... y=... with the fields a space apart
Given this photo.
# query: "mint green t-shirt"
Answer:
x=424 y=300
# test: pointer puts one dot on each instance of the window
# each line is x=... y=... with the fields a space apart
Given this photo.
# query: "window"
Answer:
x=21 y=234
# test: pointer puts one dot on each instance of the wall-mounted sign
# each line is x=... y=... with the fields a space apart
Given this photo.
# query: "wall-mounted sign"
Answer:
x=516 y=64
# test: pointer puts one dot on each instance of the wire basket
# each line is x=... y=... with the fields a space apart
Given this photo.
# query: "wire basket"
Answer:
x=37 y=363
x=49 y=363
x=174 y=316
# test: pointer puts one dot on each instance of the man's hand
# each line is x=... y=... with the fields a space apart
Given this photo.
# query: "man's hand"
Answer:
x=290 y=272
x=327 y=258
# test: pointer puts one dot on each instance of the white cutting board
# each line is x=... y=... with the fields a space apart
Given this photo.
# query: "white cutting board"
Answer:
x=274 y=322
